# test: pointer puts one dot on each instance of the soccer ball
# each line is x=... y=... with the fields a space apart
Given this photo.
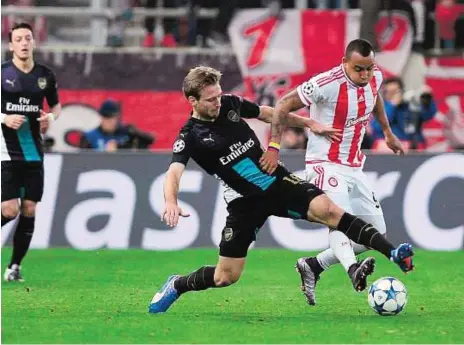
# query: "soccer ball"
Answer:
x=387 y=296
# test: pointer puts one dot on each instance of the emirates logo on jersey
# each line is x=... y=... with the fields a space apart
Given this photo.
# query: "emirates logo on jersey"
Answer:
x=24 y=106
x=236 y=150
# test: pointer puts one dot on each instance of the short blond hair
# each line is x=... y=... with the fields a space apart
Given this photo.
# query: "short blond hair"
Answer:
x=199 y=77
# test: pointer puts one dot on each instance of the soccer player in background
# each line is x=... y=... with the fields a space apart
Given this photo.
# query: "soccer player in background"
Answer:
x=25 y=84
x=221 y=142
x=345 y=98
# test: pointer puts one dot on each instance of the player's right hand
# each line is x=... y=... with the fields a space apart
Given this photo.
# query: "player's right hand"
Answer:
x=394 y=144
x=269 y=161
x=171 y=214
x=330 y=133
x=14 y=121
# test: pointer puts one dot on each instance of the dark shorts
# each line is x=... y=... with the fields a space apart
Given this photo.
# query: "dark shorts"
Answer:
x=288 y=197
x=23 y=180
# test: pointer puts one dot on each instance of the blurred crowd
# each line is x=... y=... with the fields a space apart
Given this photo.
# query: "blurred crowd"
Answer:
x=431 y=19
x=427 y=16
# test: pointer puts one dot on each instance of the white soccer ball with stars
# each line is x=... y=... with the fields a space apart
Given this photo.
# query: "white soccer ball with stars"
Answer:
x=387 y=296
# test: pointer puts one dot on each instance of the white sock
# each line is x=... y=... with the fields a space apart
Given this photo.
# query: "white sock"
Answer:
x=358 y=248
x=327 y=257
x=342 y=249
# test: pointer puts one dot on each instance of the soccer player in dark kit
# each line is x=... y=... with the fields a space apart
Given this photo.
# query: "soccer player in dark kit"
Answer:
x=25 y=84
x=221 y=142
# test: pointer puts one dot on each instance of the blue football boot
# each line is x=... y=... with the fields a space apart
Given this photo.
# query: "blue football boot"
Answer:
x=402 y=256
x=165 y=297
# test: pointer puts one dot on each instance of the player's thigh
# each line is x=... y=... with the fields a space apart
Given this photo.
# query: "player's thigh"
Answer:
x=332 y=183
x=11 y=181
x=33 y=181
x=293 y=197
x=365 y=204
x=245 y=219
x=327 y=177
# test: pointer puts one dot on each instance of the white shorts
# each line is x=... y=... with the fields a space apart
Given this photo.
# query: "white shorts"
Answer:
x=348 y=188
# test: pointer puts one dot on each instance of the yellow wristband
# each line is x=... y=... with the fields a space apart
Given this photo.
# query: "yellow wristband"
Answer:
x=274 y=145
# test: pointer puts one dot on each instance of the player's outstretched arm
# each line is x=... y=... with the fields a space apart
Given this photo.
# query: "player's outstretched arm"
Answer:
x=290 y=102
x=172 y=211
x=390 y=139
x=295 y=120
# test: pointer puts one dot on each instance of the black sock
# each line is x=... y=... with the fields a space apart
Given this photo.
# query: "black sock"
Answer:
x=363 y=233
x=6 y=220
x=201 y=279
x=22 y=239
x=315 y=266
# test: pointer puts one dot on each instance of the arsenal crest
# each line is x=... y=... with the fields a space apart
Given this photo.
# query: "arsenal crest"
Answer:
x=42 y=82
x=233 y=116
x=227 y=234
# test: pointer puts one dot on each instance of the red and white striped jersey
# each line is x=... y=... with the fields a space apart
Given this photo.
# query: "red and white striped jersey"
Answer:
x=336 y=101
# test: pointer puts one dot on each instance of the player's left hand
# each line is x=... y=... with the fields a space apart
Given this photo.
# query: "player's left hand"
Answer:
x=269 y=161
x=330 y=133
x=45 y=119
x=394 y=144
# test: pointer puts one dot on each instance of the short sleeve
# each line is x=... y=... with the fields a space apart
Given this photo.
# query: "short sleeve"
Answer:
x=248 y=109
x=182 y=148
x=310 y=92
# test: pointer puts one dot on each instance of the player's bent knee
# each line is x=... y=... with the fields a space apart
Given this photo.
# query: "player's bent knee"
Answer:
x=10 y=210
x=317 y=209
x=334 y=215
x=225 y=279
x=325 y=211
x=228 y=271
x=28 y=208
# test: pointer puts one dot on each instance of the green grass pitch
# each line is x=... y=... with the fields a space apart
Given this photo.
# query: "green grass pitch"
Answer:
x=102 y=297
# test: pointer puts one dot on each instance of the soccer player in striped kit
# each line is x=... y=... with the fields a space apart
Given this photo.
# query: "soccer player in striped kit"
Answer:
x=345 y=97
x=25 y=84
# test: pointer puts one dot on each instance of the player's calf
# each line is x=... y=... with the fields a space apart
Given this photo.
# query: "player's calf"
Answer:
x=324 y=211
x=364 y=233
x=204 y=278
x=201 y=279
x=22 y=239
